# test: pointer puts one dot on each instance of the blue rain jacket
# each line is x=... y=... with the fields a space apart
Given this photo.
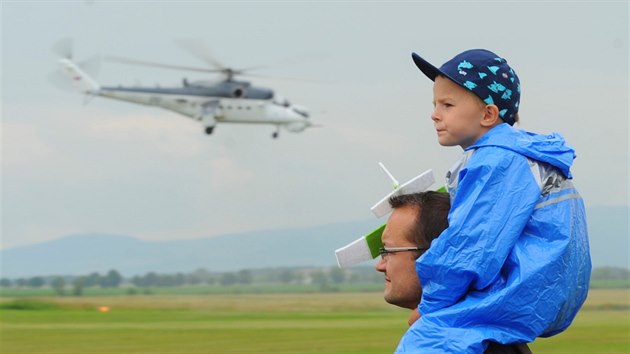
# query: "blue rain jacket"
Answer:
x=514 y=262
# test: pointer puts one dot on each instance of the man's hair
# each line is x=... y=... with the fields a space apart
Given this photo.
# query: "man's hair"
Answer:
x=432 y=214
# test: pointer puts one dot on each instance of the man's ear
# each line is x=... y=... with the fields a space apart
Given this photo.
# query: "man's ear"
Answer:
x=490 y=116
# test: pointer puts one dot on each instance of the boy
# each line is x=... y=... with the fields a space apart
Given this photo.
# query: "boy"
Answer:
x=514 y=262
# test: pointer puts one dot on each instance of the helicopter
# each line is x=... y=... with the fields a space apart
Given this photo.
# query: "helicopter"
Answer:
x=227 y=100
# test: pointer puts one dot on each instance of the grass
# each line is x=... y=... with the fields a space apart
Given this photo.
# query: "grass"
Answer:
x=610 y=284
x=25 y=304
x=591 y=332
x=200 y=290
x=312 y=323
x=259 y=323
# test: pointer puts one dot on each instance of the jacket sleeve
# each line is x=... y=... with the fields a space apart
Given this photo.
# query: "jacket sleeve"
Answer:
x=495 y=198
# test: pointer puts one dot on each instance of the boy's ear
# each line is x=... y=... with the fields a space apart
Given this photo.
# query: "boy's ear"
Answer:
x=491 y=116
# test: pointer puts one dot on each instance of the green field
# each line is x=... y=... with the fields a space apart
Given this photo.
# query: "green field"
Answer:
x=263 y=323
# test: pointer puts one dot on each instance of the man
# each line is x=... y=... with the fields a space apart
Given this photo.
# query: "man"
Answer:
x=416 y=220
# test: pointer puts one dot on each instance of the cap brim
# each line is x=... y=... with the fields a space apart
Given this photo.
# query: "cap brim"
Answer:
x=429 y=70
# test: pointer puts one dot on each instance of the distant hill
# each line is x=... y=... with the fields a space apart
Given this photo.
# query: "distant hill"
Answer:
x=86 y=253
x=312 y=246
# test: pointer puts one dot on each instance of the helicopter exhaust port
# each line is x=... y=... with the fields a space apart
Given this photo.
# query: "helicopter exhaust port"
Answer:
x=238 y=92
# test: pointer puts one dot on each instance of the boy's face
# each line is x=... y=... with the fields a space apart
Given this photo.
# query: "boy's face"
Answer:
x=457 y=115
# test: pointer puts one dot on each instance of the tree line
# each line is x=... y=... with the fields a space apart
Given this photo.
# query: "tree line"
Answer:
x=59 y=284
x=75 y=285
x=323 y=277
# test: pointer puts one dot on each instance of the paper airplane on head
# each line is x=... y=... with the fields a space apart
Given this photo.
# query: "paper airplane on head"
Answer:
x=363 y=249
x=366 y=248
x=416 y=185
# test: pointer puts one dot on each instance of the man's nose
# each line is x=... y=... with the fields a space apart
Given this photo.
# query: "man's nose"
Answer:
x=380 y=266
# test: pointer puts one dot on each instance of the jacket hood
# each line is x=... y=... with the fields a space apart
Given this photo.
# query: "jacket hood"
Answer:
x=551 y=148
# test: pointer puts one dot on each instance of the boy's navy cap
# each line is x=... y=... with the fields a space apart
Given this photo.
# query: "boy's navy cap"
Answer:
x=485 y=74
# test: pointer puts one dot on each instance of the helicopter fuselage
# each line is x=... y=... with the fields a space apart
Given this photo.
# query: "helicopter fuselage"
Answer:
x=209 y=106
x=227 y=101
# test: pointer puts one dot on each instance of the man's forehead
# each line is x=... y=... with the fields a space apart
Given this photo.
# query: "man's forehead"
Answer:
x=386 y=235
x=400 y=224
x=390 y=230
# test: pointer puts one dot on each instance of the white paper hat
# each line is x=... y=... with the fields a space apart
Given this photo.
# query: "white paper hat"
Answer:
x=366 y=247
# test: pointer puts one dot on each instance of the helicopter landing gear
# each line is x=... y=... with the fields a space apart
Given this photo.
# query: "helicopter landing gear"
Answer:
x=276 y=133
x=209 y=130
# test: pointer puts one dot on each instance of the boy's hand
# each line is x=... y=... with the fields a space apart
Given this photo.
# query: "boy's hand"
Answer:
x=413 y=316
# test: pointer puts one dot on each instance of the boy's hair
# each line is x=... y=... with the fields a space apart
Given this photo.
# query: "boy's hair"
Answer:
x=483 y=73
x=432 y=214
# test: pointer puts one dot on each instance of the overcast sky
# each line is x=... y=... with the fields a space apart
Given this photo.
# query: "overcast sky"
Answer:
x=114 y=167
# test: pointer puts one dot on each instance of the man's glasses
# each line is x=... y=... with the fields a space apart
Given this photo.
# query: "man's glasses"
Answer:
x=385 y=251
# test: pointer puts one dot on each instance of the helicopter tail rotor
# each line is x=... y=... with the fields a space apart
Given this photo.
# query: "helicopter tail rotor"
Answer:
x=63 y=48
x=75 y=73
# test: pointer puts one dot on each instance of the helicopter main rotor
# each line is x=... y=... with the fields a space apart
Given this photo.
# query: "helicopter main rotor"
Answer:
x=200 y=52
